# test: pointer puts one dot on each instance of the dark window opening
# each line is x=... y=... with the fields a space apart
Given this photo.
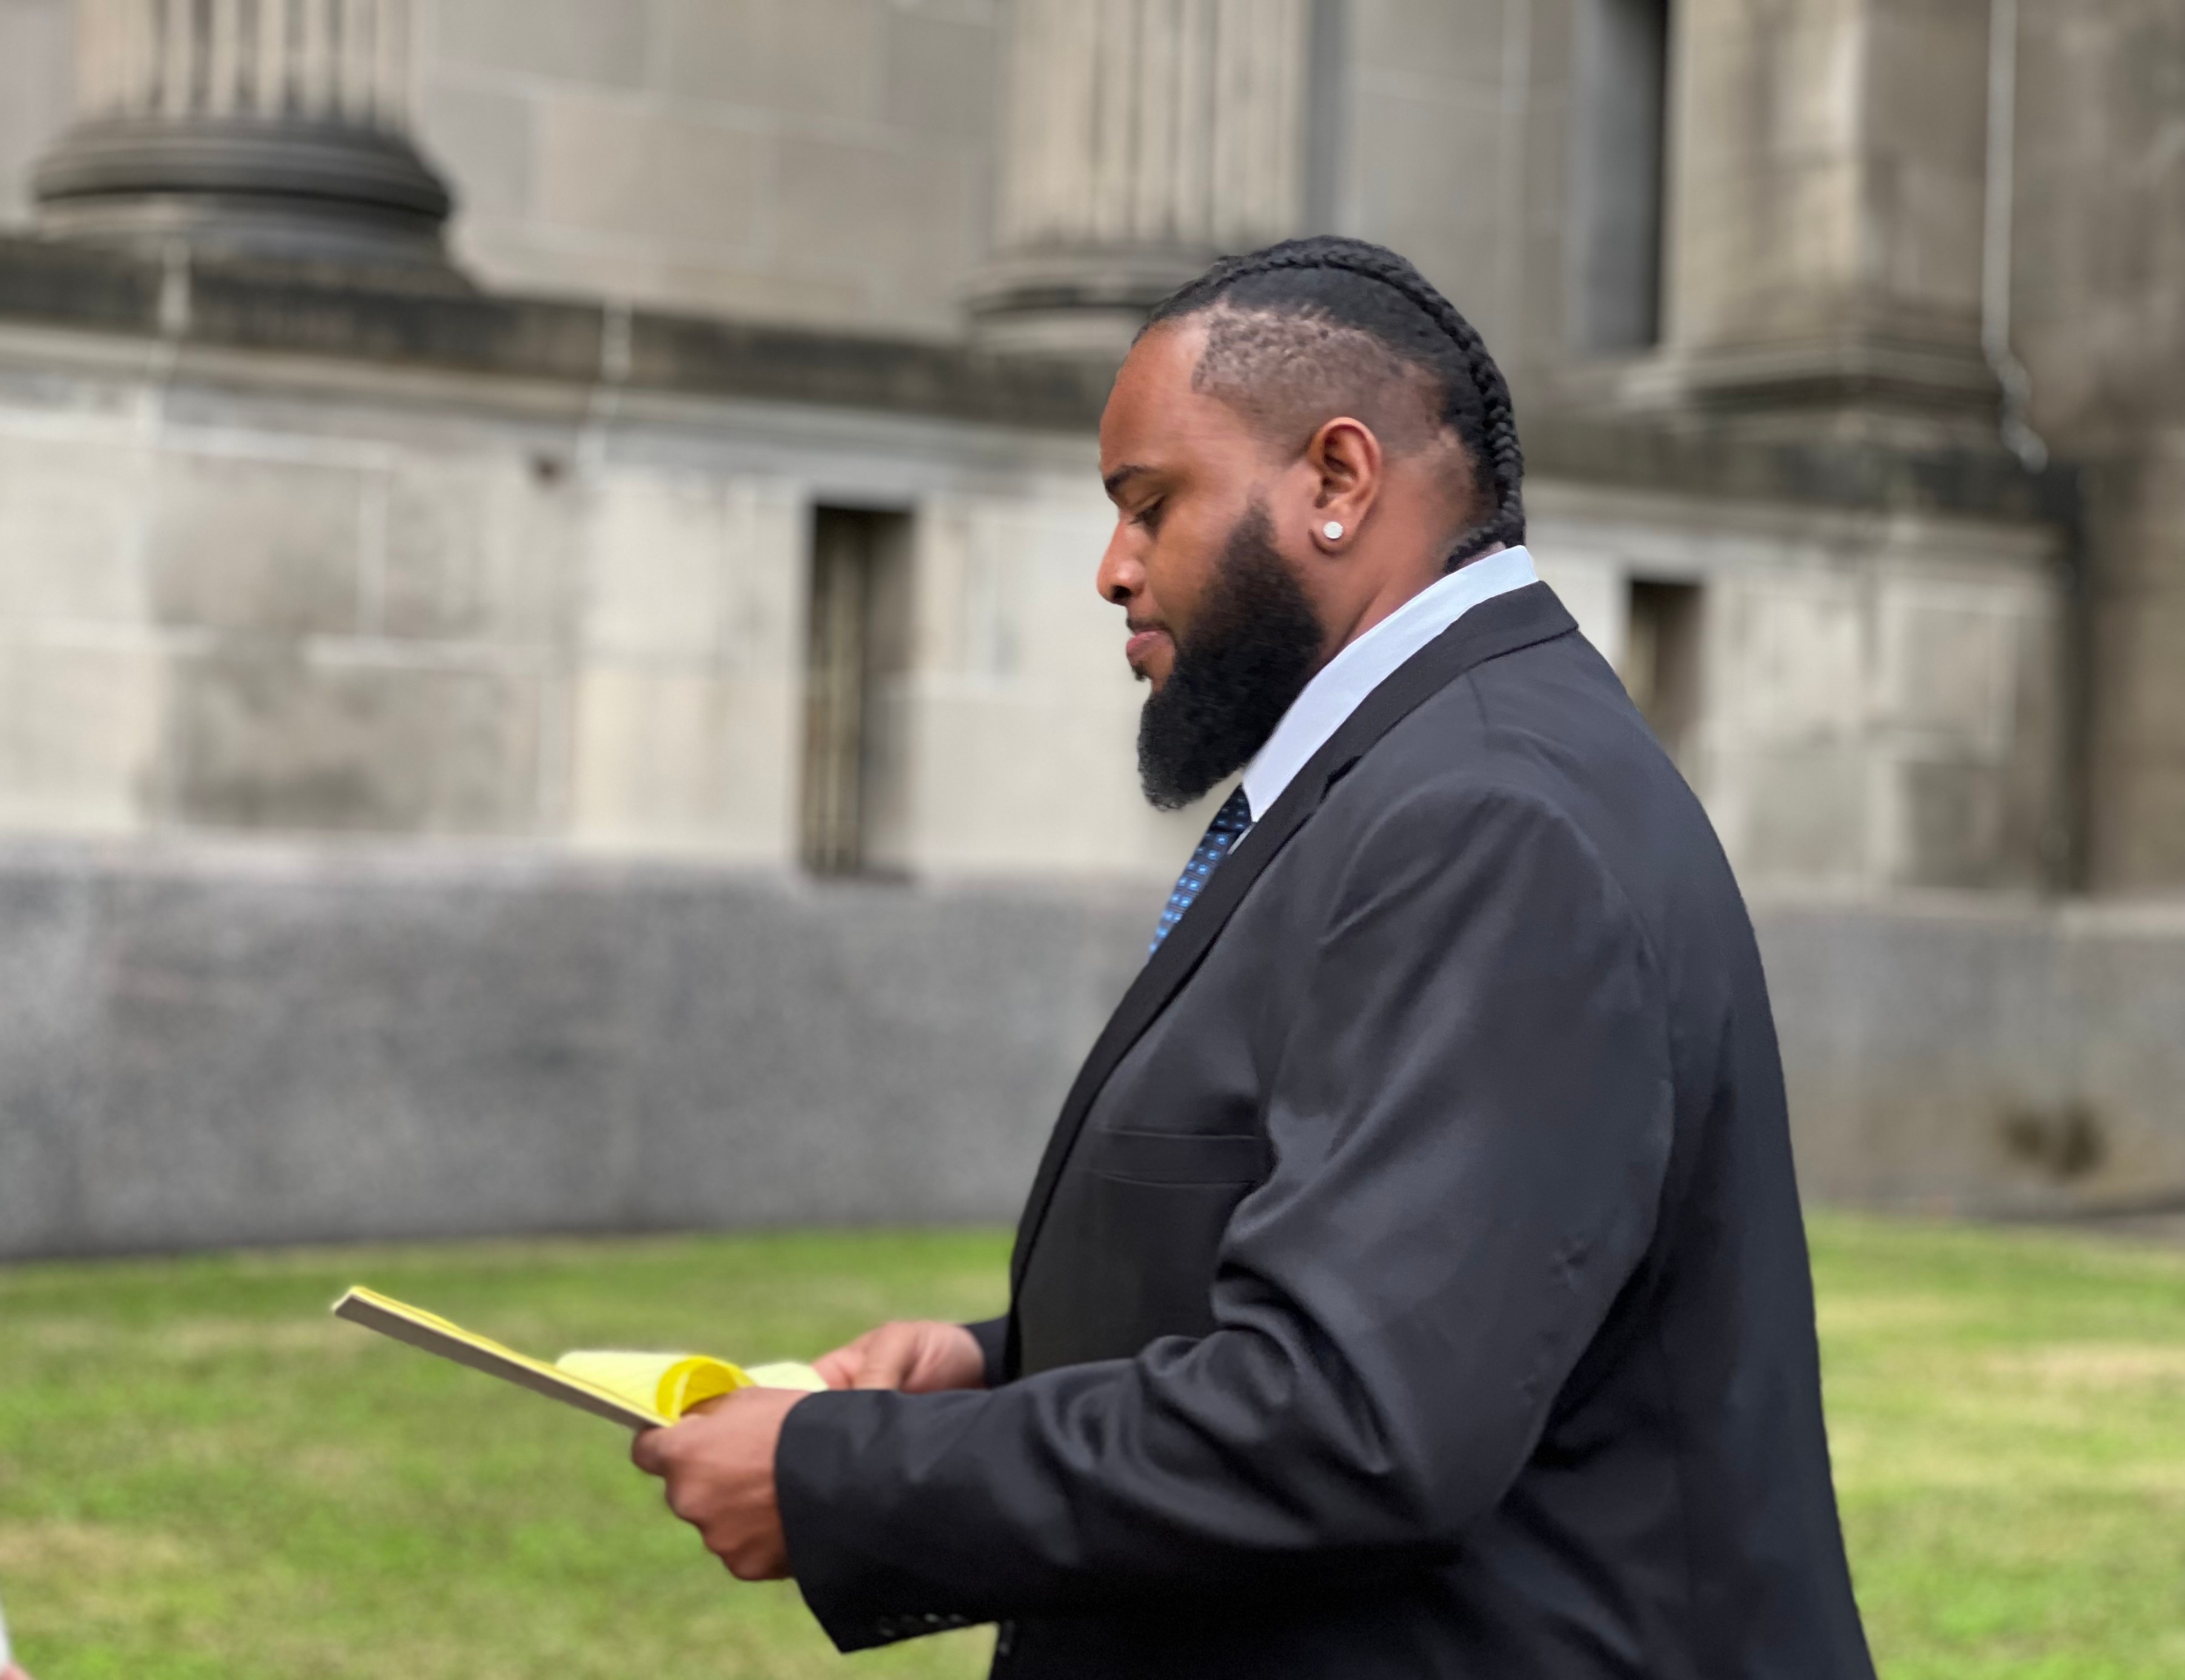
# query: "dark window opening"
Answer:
x=1619 y=106
x=1662 y=663
x=856 y=653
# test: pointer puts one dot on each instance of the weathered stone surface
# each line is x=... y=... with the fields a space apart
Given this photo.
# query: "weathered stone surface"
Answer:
x=41 y=281
x=262 y=545
x=69 y=520
x=2137 y=758
x=1444 y=211
x=1613 y=124
x=474 y=550
x=280 y=1049
x=203 y=1049
x=599 y=40
x=605 y=168
x=546 y=626
x=1934 y=781
x=82 y=739
x=286 y=311
x=898 y=223
x=2098 y=269
x=259 y=739
x=1136 y=143
x=1992 y=1058
x=805 y=57
x=664 y=152
x=941 y=75
x=35 y=42
x=536 y=339
x=1457 y=41
x=1829 y=178
x=688 y=759
x=483 y=137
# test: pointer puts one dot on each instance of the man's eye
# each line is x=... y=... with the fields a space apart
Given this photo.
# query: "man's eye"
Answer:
x=1149 y=515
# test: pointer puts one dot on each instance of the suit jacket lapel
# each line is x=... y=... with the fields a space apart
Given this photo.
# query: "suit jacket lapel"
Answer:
x=1489 y=630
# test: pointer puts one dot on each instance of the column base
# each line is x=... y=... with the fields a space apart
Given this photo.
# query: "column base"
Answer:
x=1858 y=387
x=319 y=193
x=1073 y=302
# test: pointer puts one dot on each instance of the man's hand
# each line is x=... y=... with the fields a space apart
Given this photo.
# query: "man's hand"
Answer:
x=918 y=1357
x=718 y=1466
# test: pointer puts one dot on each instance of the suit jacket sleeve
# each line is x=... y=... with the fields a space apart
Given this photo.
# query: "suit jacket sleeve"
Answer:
x=1471 y=1123
x=992 y=1335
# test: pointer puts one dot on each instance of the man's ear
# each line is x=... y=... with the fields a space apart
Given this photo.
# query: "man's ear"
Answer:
x=1345 y=461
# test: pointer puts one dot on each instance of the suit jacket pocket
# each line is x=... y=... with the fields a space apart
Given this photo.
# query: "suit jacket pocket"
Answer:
x=1178 y=1157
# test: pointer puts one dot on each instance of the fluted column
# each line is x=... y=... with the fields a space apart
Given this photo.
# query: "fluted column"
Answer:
x=262 y=128
x=1829 y=176
x=1143 y=138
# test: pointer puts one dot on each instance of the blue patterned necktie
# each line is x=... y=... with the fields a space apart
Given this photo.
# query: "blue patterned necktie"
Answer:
x=1234 y=816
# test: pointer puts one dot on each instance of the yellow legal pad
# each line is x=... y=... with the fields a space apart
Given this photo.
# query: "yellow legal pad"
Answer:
x=638 y=1391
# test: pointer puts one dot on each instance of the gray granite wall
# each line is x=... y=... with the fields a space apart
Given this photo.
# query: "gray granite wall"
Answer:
x=1971 y=1055
x=249 y=1046
x=277 y=1047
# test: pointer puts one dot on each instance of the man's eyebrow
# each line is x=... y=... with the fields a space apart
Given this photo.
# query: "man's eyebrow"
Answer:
x=1121 y=476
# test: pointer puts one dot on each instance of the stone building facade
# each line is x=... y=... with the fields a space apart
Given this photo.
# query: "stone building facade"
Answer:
x=657 y=595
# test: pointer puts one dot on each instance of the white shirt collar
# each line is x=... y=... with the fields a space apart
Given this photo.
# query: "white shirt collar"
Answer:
x=1364 y=664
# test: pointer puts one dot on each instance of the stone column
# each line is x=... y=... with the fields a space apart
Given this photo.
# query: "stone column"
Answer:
x=1826 y=209
x=274 y=129
x=1144 y=137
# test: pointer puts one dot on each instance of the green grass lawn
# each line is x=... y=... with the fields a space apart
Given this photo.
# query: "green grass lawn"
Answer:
x=201 y=1475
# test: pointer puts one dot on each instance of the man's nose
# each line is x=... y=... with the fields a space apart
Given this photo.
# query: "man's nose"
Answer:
x=1121 y=575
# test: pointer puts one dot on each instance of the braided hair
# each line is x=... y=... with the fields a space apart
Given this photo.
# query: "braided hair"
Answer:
x=1362 y=288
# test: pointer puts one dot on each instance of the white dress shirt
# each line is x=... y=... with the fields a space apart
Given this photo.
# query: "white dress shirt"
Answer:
x=1364 y=665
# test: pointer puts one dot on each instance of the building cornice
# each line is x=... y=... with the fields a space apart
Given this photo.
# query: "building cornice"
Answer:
x=330 y=317
x=326 y=314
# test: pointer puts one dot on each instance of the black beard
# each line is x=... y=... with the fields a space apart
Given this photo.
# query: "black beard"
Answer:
x=1255 y=646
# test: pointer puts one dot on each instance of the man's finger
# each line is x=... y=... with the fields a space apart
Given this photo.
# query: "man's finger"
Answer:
x=649 y=1452
x=886 y=1358
x=891 y=1370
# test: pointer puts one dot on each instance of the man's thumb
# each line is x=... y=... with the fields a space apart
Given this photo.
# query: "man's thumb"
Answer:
x=840 y=1369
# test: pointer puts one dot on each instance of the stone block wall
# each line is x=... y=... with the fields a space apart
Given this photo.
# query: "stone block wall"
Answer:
x=240 y=592
x=1831 y=169
x=273 y=590
x=833 y=162
x=1454 y=127
x=2100 y=307
x=36 y=83
x=823 y=161
x=223 y=611
x=1952 y=1054
x=1878 y=696
x=204 y=1046
x=285 y=627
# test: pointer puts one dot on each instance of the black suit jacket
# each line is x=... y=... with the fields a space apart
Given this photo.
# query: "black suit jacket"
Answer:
x=1414 y=1284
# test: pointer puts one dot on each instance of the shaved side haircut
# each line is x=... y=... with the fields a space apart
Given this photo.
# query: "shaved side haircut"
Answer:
x=1311 y=329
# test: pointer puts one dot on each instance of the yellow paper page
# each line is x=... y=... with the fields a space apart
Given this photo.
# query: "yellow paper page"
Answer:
x=436 y=1334
x=787 y=1373
x=638 y=1391
x=668 y=1383
x=672 y=1383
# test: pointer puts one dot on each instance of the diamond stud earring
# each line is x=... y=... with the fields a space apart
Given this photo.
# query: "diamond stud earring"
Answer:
x=1331 y=531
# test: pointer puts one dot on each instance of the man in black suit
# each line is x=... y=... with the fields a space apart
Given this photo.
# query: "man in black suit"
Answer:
x=1414 y=1283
